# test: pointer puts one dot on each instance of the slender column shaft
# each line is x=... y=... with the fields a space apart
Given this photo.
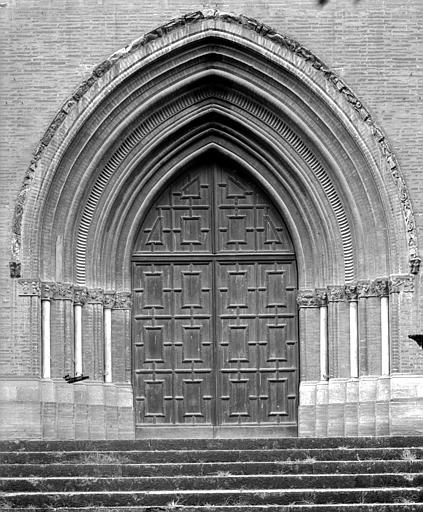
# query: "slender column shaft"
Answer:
x=354 y=339
x=78 y=338
x=324 y=353
x=338 y=332
x=384 y=321
x=45 y=338
x=108 y=345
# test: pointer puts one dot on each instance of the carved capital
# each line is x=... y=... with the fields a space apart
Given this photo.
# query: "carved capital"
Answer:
x=15 y=266
x=47 y=290
x=308 y=299
x=365 y=289
x=123 y=300
x=336 y=293
x=351 y=292
x=29 y=288
x=376 y=288
x=322 y=296
x=415 y=263
x=401 y=283
x=95 y=296
x=80 y=296
x=63 y=291
x=109 y=300
x=381 y=286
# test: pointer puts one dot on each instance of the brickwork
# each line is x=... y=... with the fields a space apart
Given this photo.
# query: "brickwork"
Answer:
x=48 y=49
x=309 y=349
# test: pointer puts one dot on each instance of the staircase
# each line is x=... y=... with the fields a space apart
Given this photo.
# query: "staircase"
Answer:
x=257 y=475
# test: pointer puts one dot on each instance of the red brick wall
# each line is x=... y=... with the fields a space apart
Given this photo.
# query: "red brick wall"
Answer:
x=49 y=47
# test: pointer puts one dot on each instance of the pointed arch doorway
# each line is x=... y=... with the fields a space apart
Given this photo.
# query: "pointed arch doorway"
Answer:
x=215 y=343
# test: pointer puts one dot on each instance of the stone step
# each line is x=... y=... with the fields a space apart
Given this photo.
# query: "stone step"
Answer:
x=215 y=444
x=211 y=468
x=97 y=484
x=188 y=456
x=377 y=474
x=357 y=507
x=241 y=497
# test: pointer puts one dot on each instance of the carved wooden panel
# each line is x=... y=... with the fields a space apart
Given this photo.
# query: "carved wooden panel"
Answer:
x=173 y=352
x=182 y=217
x=256 y=342
x=180 y=220
x=215 y=329
x=245 y=219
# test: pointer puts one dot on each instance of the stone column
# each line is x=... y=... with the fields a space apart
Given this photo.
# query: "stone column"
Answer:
x=339 y=335
x=352 y=297
x=383 y=289
x=309 y=313
x=80 y=298
x=109 y=302
x=47 y=290
x=324 y=341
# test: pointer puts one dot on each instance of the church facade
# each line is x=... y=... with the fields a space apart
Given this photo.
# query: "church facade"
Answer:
x=215 y=235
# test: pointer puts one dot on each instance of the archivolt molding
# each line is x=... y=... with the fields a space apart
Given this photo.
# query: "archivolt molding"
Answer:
x=244 y=103
x=268 y=33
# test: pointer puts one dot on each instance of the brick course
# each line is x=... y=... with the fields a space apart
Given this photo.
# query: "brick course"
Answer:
x=48 y=48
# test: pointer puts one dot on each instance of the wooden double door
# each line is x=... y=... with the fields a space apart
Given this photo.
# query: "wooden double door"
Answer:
x=215 y=319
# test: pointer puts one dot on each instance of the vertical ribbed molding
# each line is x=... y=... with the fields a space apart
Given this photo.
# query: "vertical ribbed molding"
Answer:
x=401 y=288
x=338 y=332
x=309 y=303
x=28 y=307
x=370 y=325
x=93 y=335
x=312 y=306
x=121 y=337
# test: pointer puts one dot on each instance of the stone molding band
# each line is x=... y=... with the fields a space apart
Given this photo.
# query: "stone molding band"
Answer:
x=264 y=31
x=381 y=287
x=77 y=294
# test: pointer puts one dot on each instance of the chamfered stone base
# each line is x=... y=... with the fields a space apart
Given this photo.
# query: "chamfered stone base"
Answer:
x=365 y=406
x=50 y=409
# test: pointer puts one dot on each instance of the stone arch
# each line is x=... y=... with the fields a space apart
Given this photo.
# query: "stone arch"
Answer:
x=212 y=80
x=238 y=35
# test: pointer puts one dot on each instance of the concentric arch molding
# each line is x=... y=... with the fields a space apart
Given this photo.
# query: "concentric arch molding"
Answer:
x=245 y=104
x=264 y=31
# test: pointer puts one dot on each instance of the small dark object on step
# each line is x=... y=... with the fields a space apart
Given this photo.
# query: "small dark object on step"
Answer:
x=77 y=378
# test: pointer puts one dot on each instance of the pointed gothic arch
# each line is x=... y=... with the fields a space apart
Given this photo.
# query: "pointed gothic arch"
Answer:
x=213 y=81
